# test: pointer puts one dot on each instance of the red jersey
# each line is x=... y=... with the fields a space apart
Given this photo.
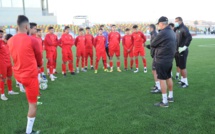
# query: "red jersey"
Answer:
x=7 y=54
x=127 y=42
x=2 y=53
x=51 y=42
x=100 y=44
x=40 y=41
x=114 y=40
x=26 y=55
x=67 y=41
x=89 y=41
x=138 y=39
x=80 y=42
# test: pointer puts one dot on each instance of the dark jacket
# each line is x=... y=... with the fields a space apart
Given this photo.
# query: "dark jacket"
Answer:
x=153 y=35
x=165 y=46
x=183 y=36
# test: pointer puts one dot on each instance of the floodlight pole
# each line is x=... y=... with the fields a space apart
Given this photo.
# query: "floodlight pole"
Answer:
x=23 y=5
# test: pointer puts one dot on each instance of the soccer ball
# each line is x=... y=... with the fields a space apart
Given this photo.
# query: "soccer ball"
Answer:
x=43 y=86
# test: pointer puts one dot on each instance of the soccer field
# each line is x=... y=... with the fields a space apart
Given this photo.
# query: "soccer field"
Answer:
x=121 y=103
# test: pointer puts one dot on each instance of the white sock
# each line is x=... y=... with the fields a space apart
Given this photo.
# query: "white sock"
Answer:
x=51 y=75
x=182 y=78
x=177 y=74
x=118 y=68
x=39 y=76
x=164 y=96
x=91 y=65
x=111 y=68
x=77 y=68
x=17 y=82
x=21 y=86
x=170 y=94
x=30 y=124
x=2 y=95
x=48 y=71
x=186 y=81
x=171 y=74
x=157 y=83
x=137 y=69
x=145 y=67
x=54 y=70
x=43 y=73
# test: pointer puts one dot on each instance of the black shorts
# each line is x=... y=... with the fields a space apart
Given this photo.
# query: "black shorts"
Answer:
x=153 y=64
x=183 y=59
x=164 y=70
x=177 y=59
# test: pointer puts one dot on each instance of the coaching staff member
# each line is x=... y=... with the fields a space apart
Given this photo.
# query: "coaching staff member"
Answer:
x=183 y=41
x=165 y=46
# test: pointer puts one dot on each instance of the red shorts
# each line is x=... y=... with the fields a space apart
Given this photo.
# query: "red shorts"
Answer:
x=100 y=55
x=3 y=70
x=9 y=71
x=67 y=56
x=31 y=87
x=112 y=52
x=130 y=54
x=80 y=53
x=50 y=54
x=139 y=51
x=89 y=52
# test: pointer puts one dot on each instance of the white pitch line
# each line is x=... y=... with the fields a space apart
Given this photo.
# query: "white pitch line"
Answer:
x=207 y=45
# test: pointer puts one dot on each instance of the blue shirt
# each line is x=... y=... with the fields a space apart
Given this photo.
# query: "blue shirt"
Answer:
x=105 y=34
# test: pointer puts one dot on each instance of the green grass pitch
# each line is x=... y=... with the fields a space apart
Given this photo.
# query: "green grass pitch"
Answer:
x=121 y=103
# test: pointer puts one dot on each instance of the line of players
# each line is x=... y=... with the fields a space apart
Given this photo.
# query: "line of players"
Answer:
x=106 y=45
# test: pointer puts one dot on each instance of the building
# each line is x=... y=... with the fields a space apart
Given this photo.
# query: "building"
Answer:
x=36 y=10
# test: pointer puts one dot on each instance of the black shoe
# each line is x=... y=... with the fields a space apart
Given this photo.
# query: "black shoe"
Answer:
x=154 y=87
x=183 y=85
x=126 y=69
x=170 y=100
x=35 y=132
x=156 y=91
x=132 y=69
x=64 y=74
x=161 y=104
x=179 y=82
x=176 y=77
x=56 y=72
x=72 y=73
x=85 y=68
x=92 y=68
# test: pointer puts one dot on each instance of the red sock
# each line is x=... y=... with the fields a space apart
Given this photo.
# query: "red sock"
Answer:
x=105 y=64
x=91 y=61
x=97 y=64
x=144 y=62
x=77 y=62
x=9 y=84
x=118 y=63
x=64 y=68
x=42 y=69
x=51 y=69
x=86 y=63
x=111 y=63
x=82 y=62
x=2 y=87
x=71 y=67
x=131 y=63
x=126 y=63
x=137 y=63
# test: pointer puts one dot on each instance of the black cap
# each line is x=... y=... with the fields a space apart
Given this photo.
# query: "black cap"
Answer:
x=162 y=19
